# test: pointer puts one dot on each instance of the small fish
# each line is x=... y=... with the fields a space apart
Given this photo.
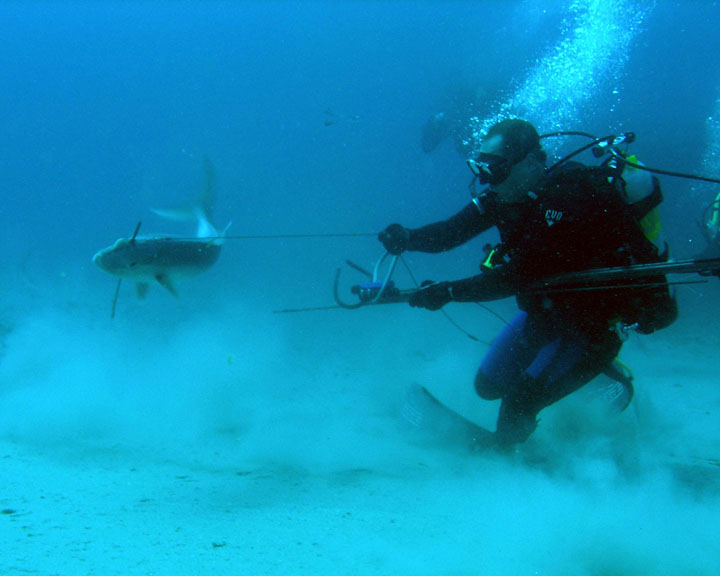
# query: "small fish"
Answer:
x=331 y=118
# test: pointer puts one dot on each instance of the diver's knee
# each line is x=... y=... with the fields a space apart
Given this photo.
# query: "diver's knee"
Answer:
x=486 y=388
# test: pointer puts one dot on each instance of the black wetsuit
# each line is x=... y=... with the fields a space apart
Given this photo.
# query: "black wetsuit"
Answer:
x=561 y=339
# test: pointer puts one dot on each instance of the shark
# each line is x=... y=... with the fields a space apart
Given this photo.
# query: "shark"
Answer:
x=162 y=259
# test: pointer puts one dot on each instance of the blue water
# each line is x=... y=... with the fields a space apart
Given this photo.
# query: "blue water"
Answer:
x=311 y=113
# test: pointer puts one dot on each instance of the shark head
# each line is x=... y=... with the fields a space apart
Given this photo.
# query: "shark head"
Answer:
x=116 y=259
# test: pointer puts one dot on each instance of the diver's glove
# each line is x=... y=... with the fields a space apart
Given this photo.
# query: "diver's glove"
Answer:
x=395 y=238
x=432 y=295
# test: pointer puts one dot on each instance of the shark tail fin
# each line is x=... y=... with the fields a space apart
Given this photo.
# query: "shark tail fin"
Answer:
x=200 y=209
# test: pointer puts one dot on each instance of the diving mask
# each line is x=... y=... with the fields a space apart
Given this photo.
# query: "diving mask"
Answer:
x=490 y=168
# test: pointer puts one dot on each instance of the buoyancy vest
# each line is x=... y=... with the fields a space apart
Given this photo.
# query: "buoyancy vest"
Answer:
x=579 y=219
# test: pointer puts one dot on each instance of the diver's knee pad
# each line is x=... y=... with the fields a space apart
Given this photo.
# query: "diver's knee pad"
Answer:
x=487 y=388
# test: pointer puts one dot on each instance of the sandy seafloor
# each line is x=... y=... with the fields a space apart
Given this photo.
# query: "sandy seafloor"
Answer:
x=206 y=435
x=237 y=441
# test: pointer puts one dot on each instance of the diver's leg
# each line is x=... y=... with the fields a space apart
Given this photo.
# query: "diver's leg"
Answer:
x=517 y=418
x=559 y=368
x=596 y=359
x=523 y=401
x=509 y=354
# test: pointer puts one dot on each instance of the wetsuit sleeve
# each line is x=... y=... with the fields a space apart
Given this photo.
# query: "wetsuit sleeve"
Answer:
x=448 y=234
x=490 y=285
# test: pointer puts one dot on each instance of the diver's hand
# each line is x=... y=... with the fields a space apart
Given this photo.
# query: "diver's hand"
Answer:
x=432 y=295
x=395 y=239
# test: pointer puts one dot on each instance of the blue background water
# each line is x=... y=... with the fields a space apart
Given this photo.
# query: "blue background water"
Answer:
x=108 y=107
x=311 y=113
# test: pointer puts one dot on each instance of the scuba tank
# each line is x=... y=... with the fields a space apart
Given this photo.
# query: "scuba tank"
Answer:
x=639 y=186
x=642 y=193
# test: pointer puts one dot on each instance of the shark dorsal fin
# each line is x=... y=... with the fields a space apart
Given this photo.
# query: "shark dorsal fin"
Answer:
x=200 y=209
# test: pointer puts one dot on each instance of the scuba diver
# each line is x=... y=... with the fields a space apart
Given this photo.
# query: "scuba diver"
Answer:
x=453 y=122
x=446 y=125
x=552 y=221
x=711 y=229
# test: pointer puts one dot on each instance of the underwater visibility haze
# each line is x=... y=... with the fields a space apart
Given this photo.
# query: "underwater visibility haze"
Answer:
x=209 y=427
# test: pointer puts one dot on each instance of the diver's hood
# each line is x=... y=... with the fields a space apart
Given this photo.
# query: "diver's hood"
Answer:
x=525 y=177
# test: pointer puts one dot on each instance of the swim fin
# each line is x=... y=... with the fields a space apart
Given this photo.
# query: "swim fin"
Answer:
x=426 y=413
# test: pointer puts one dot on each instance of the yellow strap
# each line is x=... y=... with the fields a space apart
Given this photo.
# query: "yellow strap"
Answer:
x=651 y=224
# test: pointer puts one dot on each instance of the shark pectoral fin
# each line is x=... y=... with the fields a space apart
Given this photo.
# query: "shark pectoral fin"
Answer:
x=165 y=282
x=141 y=289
